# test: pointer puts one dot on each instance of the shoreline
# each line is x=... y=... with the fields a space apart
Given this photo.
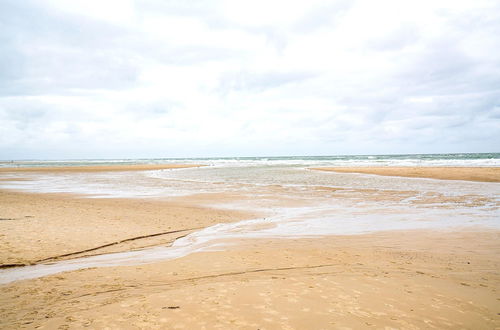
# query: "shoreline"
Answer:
x=100 y=168
x=478 y=174
x=67 y=224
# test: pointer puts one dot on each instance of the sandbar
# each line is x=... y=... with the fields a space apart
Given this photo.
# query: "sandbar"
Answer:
x=99 y=168
x=481 y=174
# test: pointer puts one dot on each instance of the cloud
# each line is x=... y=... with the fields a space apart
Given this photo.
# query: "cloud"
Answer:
x=249 y=81
x=87 y=79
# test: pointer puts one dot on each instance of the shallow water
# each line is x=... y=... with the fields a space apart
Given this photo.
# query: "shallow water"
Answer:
x=296 y=223
x=297 y=202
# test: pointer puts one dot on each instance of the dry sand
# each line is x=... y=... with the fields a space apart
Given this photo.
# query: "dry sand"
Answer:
x=483 y=174
x=413 y=279
x=34 y=227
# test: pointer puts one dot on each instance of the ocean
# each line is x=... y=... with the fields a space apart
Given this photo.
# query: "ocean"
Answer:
x=452 y=159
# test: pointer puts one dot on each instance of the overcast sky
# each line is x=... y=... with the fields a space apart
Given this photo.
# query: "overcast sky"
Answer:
x=153 y=78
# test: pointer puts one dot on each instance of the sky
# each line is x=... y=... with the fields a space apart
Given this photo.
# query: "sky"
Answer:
x=86 y=79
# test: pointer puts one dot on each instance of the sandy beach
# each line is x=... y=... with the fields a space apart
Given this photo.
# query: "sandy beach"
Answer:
x=481 y=174
x=38 y=227
x=98 y=168
x=253 y=165
x=414 y=279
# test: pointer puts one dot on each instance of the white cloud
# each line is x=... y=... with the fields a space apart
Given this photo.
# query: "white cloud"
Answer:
x=120 y=12
x=159 y=79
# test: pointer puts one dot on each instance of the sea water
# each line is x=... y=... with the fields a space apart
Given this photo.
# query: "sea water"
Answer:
x=453 y=159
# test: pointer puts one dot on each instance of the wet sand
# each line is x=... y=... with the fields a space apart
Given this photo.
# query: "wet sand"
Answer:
x=403 y=279
x=415 y=280
x=99 y=168
x=482 y=174
x=36 y=227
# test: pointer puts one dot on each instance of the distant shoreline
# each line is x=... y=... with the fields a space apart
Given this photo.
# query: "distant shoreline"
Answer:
x=99 y=168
